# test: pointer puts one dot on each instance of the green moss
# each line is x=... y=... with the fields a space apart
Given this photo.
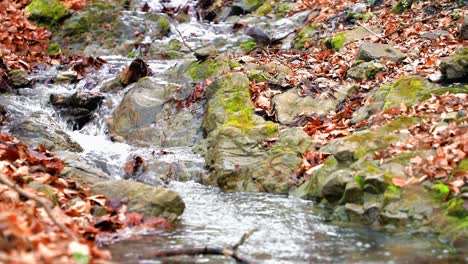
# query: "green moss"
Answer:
x=248 y=46
x=364 y=16
x=336 y=42
x=304 y=36
x=399 y=123
x=455 y=208
x=440 y=191
x=264 y=9
x=401 y=6
x=408 y=90
x=131 y=54
x=208 y=68
x=164 y=26
x=175 y=44
x=48 y=13
x=258 y=76
x=284 y=7
x=391 y=194
x=54 y=48
x=359 y=180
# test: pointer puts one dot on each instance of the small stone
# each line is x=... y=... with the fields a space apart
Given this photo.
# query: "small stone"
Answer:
x=19 y=79
x=447 y=117
x=66 y=77
x=456 y=67
x=375 y=183
x=359 y=8
x=434 y=34
x=206 y=52
x=365 y=70
x=372 y=51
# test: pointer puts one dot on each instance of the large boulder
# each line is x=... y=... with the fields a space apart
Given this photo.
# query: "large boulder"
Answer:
x=41 y=129
x=142 y=198
x=372 y=51
x=139 y=197
x=148 y=114
x=235 y=153
x=47 y=13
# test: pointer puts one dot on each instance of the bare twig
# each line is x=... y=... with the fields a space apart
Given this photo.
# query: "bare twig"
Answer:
x=368 y=29
x=45 y=203
x=243 y=239
x=183 y=40
x=203 y=251
x=228 y=252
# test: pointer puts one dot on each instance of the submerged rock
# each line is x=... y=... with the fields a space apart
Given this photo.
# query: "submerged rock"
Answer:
x=41 y=129
x=77 y=108
x=19 y=78
x=142 y=198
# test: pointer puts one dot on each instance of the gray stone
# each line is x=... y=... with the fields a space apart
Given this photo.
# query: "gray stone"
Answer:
x=247 y=5
x=375 y=183
x=372 y=51
x=142 y=198
x=206 y=52
x=41 y=129
x=148 y=115
x=435 y=34
x=456 y=67
x=352 y=193
x=334 y=186
x=359 y=8
x=289 y=104
x=365 y=70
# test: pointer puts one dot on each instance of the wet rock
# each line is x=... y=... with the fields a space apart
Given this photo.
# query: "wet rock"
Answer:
x=78 y=108
x=375 y=183
x=148 y=114
x=365 y=70
x=41 y=129
x=289 y=104
x=142 y=198
x=131 y=74
x=19 y=78
x=206 y=52
x=166 y=170
x=334 y=186
x=464 y=28
x=77 y=170
x=455 y=68
x=352 y=193
x=104 y=29
x=66 y=77
x=372 y=51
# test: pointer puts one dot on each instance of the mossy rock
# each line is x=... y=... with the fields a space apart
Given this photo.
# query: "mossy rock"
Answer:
x=365 y=70
x=264 y=9
x=408 y=90
x=142 y=198
x=401 y=6
x=248 y=5
x=456 y=67
x=306 y=34
x=248 y=46
x=48 y=13
x=208 y=68
x=336 y=42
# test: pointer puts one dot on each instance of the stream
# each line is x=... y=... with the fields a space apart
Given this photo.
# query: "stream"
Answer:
x=288 y=230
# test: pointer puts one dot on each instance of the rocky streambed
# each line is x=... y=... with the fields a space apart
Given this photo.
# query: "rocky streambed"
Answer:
x=188 y=143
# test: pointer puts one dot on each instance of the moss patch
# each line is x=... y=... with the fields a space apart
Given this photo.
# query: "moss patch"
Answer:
x=47 y=13
x=164 y=26
x=248 y=46
x=264 y=9
x=336 y=42
x=54 y=48
x=208 y=68
x=304 y=36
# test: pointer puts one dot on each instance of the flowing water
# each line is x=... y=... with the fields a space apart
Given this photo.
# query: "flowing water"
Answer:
x=288 y=230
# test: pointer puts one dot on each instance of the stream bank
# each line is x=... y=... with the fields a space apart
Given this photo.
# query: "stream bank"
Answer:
x=176 y=131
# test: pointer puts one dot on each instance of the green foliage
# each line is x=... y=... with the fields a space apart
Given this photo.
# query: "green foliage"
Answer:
x=440 y=191
x=359 y=180
x=264 y=9
x=304 y=36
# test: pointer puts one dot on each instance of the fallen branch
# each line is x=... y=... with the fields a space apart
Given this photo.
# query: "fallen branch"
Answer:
x=183 y=40
x=228 y=252
x=201 y=251
x=45 y=203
